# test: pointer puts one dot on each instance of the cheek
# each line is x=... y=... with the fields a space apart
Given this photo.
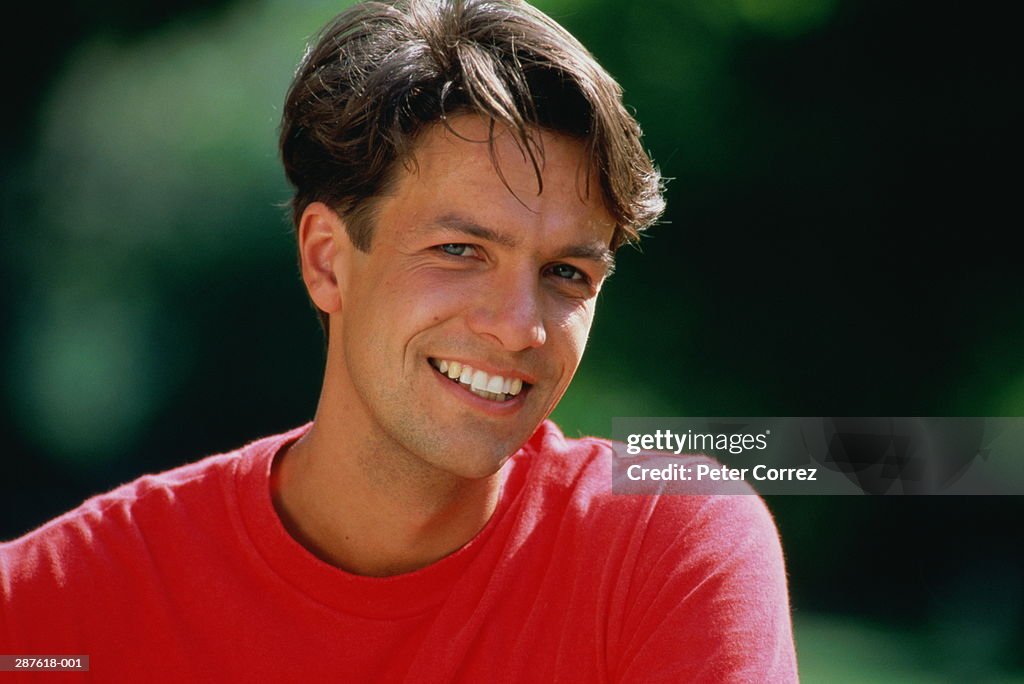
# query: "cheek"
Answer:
x=434 y=294
x=403 y=305
x=574 y=328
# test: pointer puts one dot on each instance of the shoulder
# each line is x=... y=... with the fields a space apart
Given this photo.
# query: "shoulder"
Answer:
x=583 y=469
x=113 y=508
x=700 y=590
x=570 y=482
x=105 y=535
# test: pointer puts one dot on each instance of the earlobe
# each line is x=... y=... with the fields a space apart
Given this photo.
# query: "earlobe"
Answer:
x=322 y=240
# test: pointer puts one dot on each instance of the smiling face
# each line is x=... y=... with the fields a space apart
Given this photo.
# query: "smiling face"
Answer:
x=456 y=334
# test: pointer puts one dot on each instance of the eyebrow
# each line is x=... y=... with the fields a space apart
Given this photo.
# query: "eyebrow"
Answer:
x=591 y=251
x=473 y=229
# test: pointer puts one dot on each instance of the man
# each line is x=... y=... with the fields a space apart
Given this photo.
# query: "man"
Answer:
x=464 y=172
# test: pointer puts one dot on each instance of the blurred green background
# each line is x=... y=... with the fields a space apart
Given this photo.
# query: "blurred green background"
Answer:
x=838 y=242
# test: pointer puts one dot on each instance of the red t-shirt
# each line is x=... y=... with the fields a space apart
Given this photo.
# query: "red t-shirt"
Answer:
x=189 y=575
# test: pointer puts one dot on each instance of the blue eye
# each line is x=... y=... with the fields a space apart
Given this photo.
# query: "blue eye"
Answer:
x=458 y=249
x=567 y=272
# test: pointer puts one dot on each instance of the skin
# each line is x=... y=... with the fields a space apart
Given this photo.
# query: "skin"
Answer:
x=402 y=466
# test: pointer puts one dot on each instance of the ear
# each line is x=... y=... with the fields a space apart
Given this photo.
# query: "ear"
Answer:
x=322 y=240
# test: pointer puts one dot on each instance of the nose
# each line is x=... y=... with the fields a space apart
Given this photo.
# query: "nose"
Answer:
x=510 y=313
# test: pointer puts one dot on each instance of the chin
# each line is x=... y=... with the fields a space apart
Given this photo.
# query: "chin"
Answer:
x=474 y=468
x=472 y=465
x=473 y=451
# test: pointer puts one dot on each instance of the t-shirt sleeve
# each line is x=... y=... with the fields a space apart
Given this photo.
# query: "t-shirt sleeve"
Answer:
x=709 y=601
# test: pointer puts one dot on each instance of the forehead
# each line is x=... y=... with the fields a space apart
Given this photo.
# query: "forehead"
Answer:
x=454 y=173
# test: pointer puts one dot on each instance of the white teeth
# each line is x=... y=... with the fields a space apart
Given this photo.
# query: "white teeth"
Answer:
x=489 y=395
x=481 y=383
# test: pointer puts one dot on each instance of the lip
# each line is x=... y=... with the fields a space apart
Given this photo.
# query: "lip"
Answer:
x=497 y=408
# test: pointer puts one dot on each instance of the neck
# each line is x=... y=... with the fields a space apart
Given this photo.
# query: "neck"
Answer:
x=370 y=508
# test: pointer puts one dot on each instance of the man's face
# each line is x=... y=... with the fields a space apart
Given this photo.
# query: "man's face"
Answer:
x=463 y=273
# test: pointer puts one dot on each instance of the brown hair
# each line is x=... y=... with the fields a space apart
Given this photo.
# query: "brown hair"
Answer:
x=381 y=72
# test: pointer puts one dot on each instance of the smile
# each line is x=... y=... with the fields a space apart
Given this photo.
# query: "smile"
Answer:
x=480 y=383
